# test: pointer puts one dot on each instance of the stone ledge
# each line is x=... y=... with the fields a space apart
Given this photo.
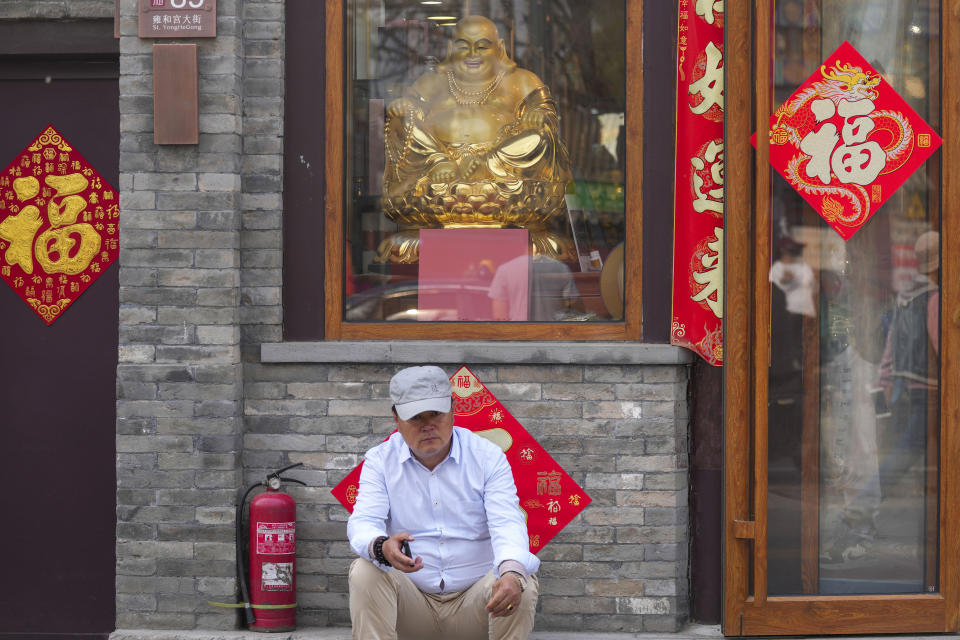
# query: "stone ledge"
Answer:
x=691 y=632
x=478 y=352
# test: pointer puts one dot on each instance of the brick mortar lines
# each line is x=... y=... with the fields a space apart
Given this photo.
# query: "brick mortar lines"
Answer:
x=176 y=450
x=620 y=566
x=55 y=9
x=179 y=389
x=261 y=176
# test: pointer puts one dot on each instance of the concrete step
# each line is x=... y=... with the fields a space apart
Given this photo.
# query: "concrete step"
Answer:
x=691 y=632
x=698 y=632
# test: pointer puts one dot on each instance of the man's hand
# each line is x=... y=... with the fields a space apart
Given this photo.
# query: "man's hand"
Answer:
x=396 y=558
x=505 y=597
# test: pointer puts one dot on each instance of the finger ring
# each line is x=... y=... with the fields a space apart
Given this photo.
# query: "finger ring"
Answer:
x=509 y=607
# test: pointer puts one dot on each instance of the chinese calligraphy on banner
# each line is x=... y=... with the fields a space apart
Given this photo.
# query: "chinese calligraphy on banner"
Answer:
x=59 y=225
x=698 y=205
x=549 y=497
x=845 y=140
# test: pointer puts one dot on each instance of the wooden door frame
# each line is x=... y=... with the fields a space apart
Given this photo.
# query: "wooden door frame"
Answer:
x=338 y=328
x=747 y=609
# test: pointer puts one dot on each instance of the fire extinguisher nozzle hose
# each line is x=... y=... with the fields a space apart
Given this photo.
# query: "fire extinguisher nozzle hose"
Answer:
x=248 y=614
x=247 y=605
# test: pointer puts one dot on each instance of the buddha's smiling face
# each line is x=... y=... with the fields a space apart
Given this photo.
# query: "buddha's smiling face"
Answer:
x=475 y=50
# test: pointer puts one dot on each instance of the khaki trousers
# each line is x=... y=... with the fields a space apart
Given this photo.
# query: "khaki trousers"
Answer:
x=388 y=606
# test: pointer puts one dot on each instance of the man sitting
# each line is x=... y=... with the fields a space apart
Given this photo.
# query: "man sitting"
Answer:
x=448 y=496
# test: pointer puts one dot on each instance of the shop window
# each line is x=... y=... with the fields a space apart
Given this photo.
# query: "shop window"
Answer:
x=484 y=178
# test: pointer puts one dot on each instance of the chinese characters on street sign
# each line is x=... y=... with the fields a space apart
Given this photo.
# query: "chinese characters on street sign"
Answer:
x=698 y=204
x=845 y=140
x=58 y=225
x=549 y=497
x=177 y=19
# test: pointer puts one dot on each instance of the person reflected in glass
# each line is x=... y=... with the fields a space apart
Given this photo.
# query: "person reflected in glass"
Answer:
x=536 y=288
x=883 y=427
x=791 y=300
x=794 y=277
x=850 y=498
x=910 y=374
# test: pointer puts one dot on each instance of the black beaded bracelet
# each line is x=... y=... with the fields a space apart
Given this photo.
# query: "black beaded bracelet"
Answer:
x=378 y=551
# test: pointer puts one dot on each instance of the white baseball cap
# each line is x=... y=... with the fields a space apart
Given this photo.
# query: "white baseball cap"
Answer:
x=417 y=389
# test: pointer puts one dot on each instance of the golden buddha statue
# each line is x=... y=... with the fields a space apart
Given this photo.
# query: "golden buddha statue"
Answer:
x=474 y=143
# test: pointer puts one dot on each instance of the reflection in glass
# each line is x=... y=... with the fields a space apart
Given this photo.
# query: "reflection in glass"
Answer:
x=504 y=116
x=854 y=369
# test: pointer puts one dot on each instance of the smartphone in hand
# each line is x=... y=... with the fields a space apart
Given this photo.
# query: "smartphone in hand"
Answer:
x=405 y=548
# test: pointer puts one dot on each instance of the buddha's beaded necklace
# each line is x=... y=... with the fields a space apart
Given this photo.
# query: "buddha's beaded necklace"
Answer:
x=476 y=96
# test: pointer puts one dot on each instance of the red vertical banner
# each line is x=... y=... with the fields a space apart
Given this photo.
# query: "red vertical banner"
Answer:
x=697 y=314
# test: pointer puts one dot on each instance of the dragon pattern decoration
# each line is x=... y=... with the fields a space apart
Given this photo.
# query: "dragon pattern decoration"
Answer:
x=795 y=119
x=846 y=141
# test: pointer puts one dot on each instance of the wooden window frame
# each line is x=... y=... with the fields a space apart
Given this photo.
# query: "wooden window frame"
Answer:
x=747 y=609
x=336 y=328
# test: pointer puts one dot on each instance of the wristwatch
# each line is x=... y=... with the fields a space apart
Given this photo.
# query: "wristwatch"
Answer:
x=520 y=580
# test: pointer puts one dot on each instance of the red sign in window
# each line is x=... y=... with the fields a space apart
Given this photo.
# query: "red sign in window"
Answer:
x=845 y=140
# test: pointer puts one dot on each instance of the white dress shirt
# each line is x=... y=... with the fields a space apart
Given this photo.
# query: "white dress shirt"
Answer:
x=464 y=514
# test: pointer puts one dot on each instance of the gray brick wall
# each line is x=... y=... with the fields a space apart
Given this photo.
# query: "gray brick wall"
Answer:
x=620 y=431
x=200 y=415
x=55 y=9
x=179 y=381
x=261 y=179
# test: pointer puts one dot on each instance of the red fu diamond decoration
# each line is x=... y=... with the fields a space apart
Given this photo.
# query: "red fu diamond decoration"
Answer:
x=549 y=497
x=58 y=225
x=845 y=140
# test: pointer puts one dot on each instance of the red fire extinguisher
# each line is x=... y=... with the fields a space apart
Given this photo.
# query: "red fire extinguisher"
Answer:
x=270 y=603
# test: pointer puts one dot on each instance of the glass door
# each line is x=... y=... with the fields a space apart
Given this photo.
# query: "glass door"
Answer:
x=838 y=473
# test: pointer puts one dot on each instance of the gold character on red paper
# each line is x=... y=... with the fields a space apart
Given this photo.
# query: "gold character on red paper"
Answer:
x=55 y=249
x=19 y=231
x=710 y=86
x=710 y=165
x=61 y=242
x=706 y=9
x=712 y=275
x=48 y=251
x=548 y=482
